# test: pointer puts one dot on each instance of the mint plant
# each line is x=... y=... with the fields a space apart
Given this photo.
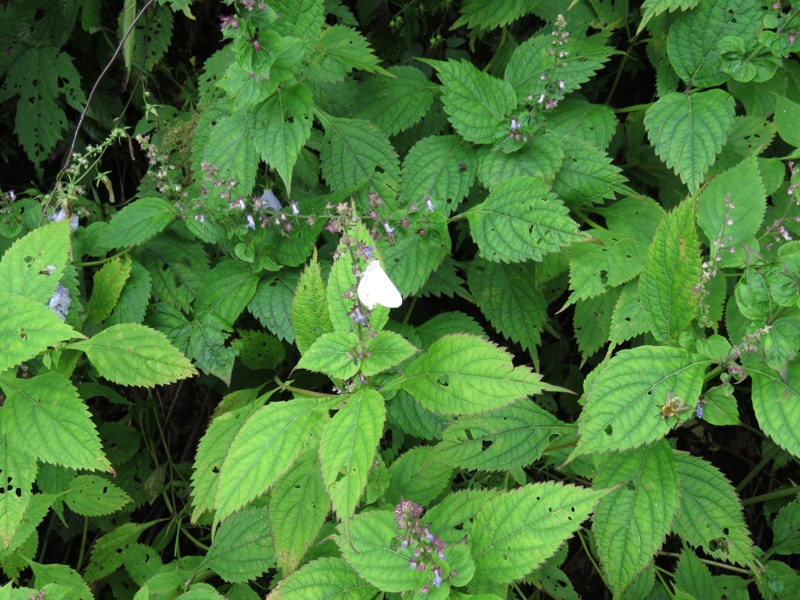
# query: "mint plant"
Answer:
x=414 y=299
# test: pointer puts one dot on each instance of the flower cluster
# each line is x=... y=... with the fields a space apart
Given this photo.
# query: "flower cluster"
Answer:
x=710 y=266
x=777 y=230
x=159 y=168
x=427 y=549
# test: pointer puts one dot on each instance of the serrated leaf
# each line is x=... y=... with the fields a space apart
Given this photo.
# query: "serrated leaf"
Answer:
x=107 y=552
x=498 y=440
x=298 y=507
x=506 y=296
x=693 y=575
x=339 y=51
x=272 y=305
x=283 y=126
x=134 y=298
x=395 y=103
x=587 y=175
x=517 y=531
x=541 y=157
x=386 y=350
x=45 y=416
x=787 y=120
x=521 y=220
x=108 y=284
x=632 y=522
x=688 y=131
x=263 y=449
x=419 y=476
x=94 y=496
x=607 y=260
x=730 y=211
x=231 y=149
x=593 y=322
x=309 y=311
x=776 y=403
x=622 y=404
x=671 y=275
x=627 y=320
x=227 y=289
x=57 y=579
x=348 y=445
x=206 y=345
x=33 y=265
x=441 y=168
x=302 y=19
x=475 y=102
x=410 y=416
x=27 y=328
x=653 y=8
x=354 y=152
x=137 y=223
x=578 y=119
x=786 y=525
x=463 y=374
x=242 y=548
x=334 y=354
x=485 y=15
x=322 y=579
x=131 y=354
x=694 y=54
x=710 y=514
x=19 y=472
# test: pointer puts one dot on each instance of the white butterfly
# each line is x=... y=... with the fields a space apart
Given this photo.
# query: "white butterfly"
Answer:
x=376 y=288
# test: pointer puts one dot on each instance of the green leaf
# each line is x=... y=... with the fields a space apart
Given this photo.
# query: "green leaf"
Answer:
x=325 y=578
x=231 y=149
x=776 y=403
x=309 y=310
x=787 y=537
x=710 y=514
x=395 y=103
x=335 y=354
x=592 y=322
x=242 y=548
x=56 y=578
x=19 y=471
x=302 y=19
x=409 y=415
x=521 y=220
x=33 y=266
x=454 y=516
x=730 y=211
x=107 y=287
x=517 y=531
x=137 y=223
x=386 y=350
x=134 y=298
x=264 y=449
x=348 y=445
x=353 y=152
x=787 y=120
x=498 y=440
x=587 y=176
x=27 y=328
x=93 y=496
x=45 y=416
x=475 y=102
x=627 y=320
x=623 y=400
x=227 y=289
x=506 y=297
x=693 y=575
x=298 y=507
x=463 y=374
x=418 y=475
x=206 y=346
x=417 y=252
x=485 y=15
x=283 y=126
x=671 y=276
x=108 y=551
x=578 y=119
x=441 y=168
x=605 y=261
x=272 y=305
x=131 y=354
x=694 y=54
x=653 y=8
x=632 y=522
x=688 y=131
x=339 y=51
x=542 y=157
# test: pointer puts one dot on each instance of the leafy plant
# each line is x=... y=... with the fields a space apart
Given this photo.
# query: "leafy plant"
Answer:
x=633 y=252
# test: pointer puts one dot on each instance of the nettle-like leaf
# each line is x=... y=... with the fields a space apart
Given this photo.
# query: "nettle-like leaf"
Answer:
x=348 y=445
x=419 y=476
x=653 y=8
x=521 y=220
x=507 y=297
x=628 y=320
x=108 y=551
x=94 y=496
x=578 y=119
x=131 y=354
x=586 y=175
x=689 y=130
x=411 y=417
x=354 y=152
x=272 y=304
x=485 y=15
x=623 y=400
x=671 y=275
x=694 y=54
x=227 y=289
x=335 y=354
x=242 y=548
x=605 y=261
x=592 y=322
x=441 y=168
x=309 y=309
x=776 y=403
x=298 y=507
x=632 y=522
x=263 y=450
x=302 y=19
x=137 y=223
x=18 y=470
x=33 y=265
x=206 y=345
x=517 y=531
x=395 y=103
x=787 y=118
x=339 y=51
x=385 y=351
x=283 y=126
x=463 y=374
x=231 y=149
x=476 y=103
x=741 y=188
x=27 y=328
x=499 y=440
x=107 y=287
x=541 y=157
x=324 y=578
x=46 y=418
x=134 y=298
x=177 y=268
x=710 y=514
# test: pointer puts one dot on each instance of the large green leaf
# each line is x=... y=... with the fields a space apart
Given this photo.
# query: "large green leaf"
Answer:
x=776 y=403
x=335 y=354
x=670 y=279
x=386 y=350
x=136 y=223
x=19 y=469
x=302 y=19
x=309 y=310
x=339 y=51
x=577 y=118
x=107 y=287
x=463 y=374
x=33 y=266
x=227 y=289
x=689 y=130
x=587 y=175
x=242 y=548
x=541 y=157
x=521 y=220
x=395 y=103
x=230 y=149
x=517 y=531
x=324 y=579
x=485 y=15
x=272 y=304
x=94 y=496
x=419 y=476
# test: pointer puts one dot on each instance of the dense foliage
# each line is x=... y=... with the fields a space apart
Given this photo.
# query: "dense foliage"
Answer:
x=483 y=299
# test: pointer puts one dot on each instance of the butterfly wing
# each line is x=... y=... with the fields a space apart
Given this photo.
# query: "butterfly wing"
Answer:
x=376 y=288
